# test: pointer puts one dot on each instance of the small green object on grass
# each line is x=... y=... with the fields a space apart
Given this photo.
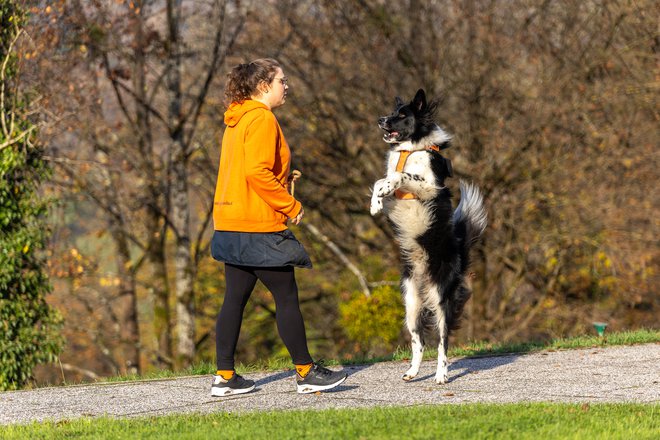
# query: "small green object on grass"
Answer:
x=600 y=327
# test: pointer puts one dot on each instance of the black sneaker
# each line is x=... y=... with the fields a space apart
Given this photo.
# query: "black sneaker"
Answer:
x=236 y=385
x=319 y=378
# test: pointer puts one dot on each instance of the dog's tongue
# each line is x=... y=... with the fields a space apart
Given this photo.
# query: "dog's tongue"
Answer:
x=394 y=133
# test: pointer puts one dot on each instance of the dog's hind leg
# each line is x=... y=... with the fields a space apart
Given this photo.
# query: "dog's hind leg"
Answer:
x=413 y=312
x=441 y=321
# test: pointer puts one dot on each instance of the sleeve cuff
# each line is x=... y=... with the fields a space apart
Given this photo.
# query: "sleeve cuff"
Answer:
x=297 y=207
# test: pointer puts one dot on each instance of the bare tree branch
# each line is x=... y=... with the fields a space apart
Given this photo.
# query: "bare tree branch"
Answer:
x=342 y=257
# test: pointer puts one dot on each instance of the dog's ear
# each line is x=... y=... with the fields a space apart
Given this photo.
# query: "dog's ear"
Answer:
x=419 y=101
x=398 y=102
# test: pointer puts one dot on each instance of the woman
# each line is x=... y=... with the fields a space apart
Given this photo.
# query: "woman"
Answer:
x=250 y=214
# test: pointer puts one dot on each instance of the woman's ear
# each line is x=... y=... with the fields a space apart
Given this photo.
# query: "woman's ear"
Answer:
x=263 y=87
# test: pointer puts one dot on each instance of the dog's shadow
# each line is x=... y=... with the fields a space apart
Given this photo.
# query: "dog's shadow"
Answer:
x=473 y=365
x=459 y=367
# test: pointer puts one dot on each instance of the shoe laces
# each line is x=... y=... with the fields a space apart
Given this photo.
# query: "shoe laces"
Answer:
x=237 y=378
x=318 y=366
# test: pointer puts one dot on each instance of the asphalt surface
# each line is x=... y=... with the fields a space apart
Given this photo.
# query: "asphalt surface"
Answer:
x=615 y=374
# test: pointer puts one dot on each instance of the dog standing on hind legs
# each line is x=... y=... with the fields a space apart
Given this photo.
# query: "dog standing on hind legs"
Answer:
x=435 y=240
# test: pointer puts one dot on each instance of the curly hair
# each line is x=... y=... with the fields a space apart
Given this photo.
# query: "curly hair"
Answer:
x=244 y=79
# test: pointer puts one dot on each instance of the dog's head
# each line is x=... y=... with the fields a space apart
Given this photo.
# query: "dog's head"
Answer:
x=409 y=122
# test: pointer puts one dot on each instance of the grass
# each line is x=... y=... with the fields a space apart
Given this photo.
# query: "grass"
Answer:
x=478 y=421
x=632 y=337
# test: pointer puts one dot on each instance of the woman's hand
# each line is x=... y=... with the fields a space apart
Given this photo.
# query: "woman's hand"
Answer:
x=297 y=219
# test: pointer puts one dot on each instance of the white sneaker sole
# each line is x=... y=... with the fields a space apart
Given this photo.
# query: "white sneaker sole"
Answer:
x=226 y=391
x=307 y=389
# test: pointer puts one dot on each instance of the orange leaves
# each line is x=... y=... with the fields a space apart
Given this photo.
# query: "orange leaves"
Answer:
x=71 y=265
x=131 y=6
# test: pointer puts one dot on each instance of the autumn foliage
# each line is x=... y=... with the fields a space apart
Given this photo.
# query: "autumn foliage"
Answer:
x=553 y=111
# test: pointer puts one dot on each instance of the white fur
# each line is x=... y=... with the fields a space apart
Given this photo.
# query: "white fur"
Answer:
x=413 y=307
x=471 y=207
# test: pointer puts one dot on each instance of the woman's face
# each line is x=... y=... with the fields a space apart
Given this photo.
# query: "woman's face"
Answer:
x=274 y=94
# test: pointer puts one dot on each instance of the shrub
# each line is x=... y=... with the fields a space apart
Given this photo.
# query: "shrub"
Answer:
x=374 y=322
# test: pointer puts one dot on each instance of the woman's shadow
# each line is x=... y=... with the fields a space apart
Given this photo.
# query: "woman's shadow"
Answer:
x=289 y=374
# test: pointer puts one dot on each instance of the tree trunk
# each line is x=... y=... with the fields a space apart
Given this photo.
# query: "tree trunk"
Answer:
x=125 y=309
x=158 y=285
x=185 y=308
x=474 y=95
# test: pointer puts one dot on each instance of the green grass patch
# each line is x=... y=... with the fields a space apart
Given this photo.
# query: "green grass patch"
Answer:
x=479 y=421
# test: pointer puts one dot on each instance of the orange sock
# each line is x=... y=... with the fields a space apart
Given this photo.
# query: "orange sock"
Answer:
x=226 y=374
x=302 y=370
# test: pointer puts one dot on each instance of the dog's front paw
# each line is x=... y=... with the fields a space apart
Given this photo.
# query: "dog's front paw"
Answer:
x=376 y=205
x=381 y=188
x=386 y=187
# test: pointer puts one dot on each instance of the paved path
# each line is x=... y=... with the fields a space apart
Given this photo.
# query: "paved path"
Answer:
x=617 y=374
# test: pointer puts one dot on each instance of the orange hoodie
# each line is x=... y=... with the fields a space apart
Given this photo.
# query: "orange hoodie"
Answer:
x=251 y=192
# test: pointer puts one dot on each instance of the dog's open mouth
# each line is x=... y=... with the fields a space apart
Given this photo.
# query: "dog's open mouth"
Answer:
x=390 y=136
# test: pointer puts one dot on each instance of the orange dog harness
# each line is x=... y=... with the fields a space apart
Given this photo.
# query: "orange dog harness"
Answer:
x=403 y=157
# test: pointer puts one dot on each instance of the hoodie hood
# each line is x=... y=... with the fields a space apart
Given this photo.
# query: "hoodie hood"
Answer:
x=238 y=109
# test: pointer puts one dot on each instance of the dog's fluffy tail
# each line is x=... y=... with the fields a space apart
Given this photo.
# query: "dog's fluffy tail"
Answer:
x=470 y=213
x=469 y=220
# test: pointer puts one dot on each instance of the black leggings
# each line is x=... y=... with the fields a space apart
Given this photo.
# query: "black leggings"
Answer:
x=281 y=282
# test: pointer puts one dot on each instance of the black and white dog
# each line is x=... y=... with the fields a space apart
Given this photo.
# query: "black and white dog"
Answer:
x=434 y=240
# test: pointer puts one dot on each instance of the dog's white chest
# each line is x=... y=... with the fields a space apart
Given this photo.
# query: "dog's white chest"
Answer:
x=411 y=217
x=417 y=162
